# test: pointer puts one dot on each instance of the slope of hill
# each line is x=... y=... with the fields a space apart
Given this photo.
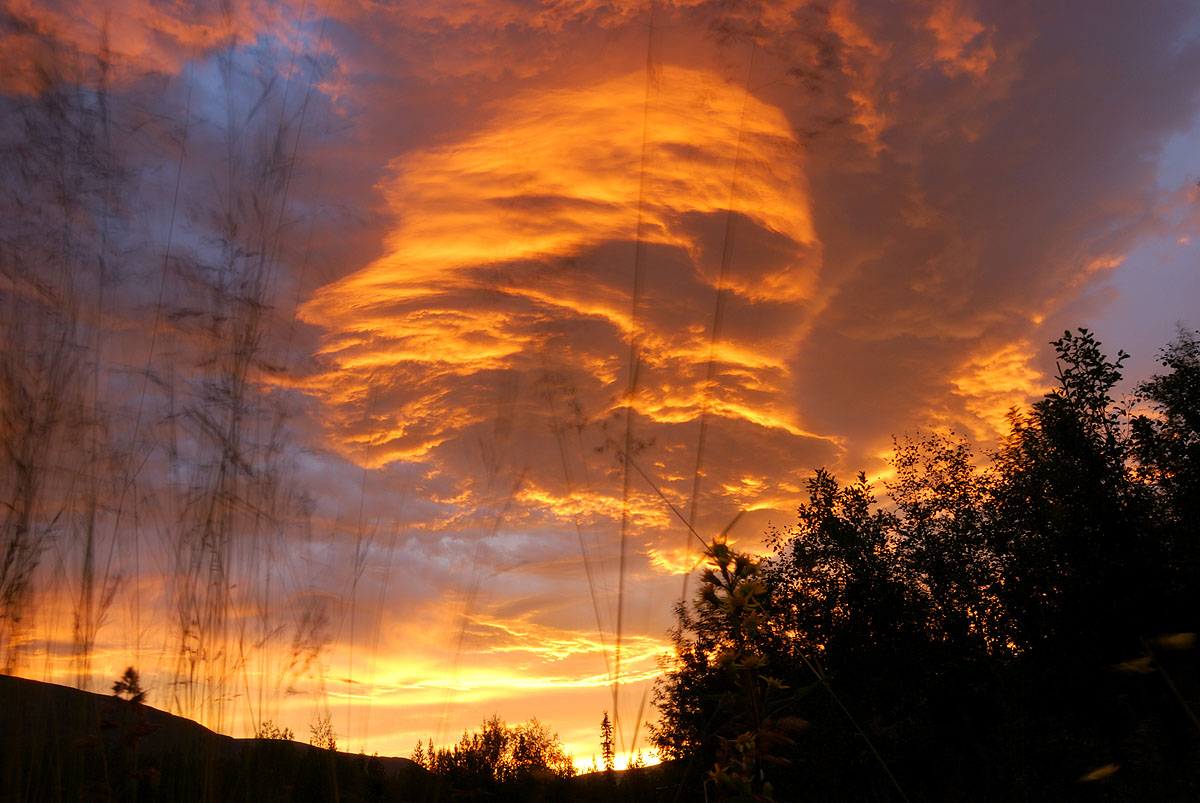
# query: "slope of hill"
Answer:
x=59 y=743
x=62 y=744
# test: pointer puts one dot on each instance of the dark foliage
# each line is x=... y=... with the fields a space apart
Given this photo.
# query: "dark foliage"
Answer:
x=607 y=750
x=1020 y=630
x=521 y=762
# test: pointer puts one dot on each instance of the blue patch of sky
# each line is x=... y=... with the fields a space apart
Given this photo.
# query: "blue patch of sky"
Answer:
x=1157 y=287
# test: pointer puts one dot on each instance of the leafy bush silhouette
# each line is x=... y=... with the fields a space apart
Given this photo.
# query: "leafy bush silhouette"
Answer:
x=999 y=613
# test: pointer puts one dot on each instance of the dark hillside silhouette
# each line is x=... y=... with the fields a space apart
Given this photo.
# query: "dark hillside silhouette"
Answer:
x=61 y=743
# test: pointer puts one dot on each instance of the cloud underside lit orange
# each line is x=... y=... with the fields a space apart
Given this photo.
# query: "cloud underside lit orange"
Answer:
x=515 y=249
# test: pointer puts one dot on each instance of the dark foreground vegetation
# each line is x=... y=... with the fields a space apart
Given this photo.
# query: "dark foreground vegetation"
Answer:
x=1020 y=630
x=63 y=744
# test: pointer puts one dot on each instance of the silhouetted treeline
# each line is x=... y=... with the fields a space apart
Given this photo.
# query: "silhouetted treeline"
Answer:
x=518 y=761
x=1017 y=628
x=527 y=762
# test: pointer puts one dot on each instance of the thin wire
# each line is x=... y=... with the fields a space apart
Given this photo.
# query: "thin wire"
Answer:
x=560 y=438
x=824 y=681
x=359 y=560
x=669 y=504
x=634 y=368
x=718 y=313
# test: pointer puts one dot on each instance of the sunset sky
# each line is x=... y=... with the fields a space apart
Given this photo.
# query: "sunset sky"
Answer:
x=811 y=227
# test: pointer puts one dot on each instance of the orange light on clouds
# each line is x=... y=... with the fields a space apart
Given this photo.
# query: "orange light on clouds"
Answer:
x=962 y=41
x=996 y=380
x=557 y=172
x=550 y=177
x=895 y=208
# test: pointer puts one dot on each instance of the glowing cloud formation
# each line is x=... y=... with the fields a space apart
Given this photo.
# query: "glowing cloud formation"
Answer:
x=519 y=210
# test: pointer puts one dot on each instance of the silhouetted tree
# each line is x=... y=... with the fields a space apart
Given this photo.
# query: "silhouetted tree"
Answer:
x=269 y=730
x=515 y=762
x=733 y=712
x=1166 y=442
x=418 y=754
x=1068 y=505
x=322 y=735
x=1004 y=615
x=607 y=751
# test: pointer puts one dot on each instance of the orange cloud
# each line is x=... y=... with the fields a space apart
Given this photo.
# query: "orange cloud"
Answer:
x=556 y=176
x=995 y=380
x=559 y=171
x=863 y=61
x=963 y=44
